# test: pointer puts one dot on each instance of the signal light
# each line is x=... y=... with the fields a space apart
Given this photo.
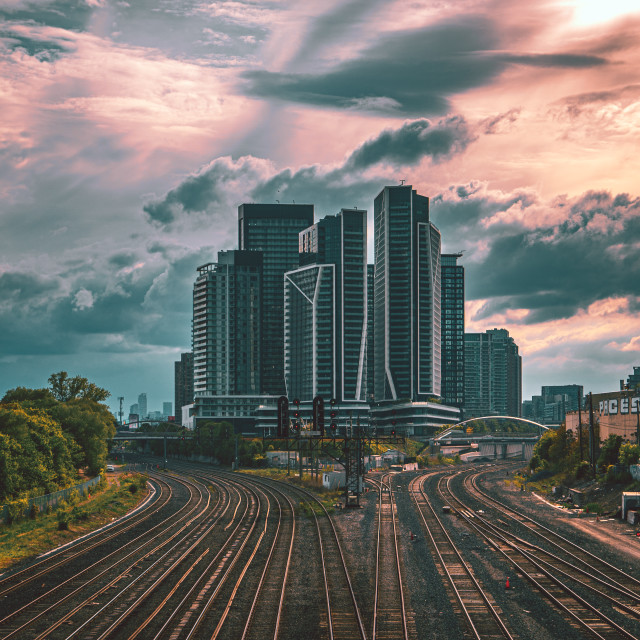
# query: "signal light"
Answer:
x=334 y=427
x=283 y=417
x=318 y=414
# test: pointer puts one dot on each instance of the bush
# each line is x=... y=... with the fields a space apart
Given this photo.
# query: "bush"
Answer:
x=583 y=470
x=63 y=515
x=16 y=510
x=594 y=507
x=629 y=454
x=133 y=488
x=535 y=462
x=617 y=474
x=543 y=474
x=33 y=511
x=79 y=513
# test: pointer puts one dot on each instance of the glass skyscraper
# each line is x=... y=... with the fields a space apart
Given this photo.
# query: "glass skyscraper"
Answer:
x=273 y=229
x=407 y=297
x=226 y=325
x=493 y=374
x=326 y=311
x=452 y=333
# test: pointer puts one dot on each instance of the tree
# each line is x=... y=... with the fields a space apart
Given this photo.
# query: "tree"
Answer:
x=40 y=398
x=65 y=388
x=629 y=454
x=92 y=425
x=609 y=452
x=36 y=456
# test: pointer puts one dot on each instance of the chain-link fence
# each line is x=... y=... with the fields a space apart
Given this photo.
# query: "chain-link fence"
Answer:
x=50 y=501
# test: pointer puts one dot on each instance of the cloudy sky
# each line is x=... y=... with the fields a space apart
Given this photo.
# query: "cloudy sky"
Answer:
x=131 y=131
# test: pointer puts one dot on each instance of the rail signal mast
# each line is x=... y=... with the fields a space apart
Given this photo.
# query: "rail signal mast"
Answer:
x=307 y=438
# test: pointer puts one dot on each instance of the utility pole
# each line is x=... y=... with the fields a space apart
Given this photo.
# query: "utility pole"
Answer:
x=592 y=441
x=579 y=423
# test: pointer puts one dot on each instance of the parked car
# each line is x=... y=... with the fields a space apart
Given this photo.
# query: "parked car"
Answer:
x=110 y=467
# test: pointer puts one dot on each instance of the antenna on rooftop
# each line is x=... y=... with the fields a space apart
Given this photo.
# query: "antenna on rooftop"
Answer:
x=402 y=181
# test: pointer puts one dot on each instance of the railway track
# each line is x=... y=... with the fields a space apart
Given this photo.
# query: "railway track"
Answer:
x=560 y=580
x=56 y=559
x=389 y=611
x=479 y=612
x=339 y=614
x=85 y=580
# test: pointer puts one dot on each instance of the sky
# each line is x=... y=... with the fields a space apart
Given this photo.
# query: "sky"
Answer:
x=131 y=131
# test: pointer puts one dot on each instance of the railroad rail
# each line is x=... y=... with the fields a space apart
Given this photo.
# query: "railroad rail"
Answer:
x=551 y=579
x=479 y=612
x=389 y=612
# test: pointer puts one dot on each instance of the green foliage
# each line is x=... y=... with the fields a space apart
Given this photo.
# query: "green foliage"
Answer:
x=36 y=456
x=609 y=452
x=582 y=470
x=16 y=510
x=47 y=434
x=617 y=474
x=65 y=388
x=535 y=462
x=36 y=398
x=594 y=507
x=63 y=515
x=91 y=424
x=629 y=453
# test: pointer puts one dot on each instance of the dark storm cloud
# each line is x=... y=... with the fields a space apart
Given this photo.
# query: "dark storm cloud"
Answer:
x=587 y=254
x=412 y=142
x=42 y=49
x=412 y=72
x=200 y=191
x=208 y=190
x=123 y=259
x=19 y=287
x=63 y=14
x=146 y=306
x=560 y=60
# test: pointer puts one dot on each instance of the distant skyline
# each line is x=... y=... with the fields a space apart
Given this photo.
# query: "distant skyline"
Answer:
x=131 y=132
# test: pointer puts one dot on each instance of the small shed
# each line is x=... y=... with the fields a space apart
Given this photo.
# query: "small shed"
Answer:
x=577 y=497
x=333 y=480
x=630 y=501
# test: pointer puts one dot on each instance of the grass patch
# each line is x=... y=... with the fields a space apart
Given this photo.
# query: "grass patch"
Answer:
x=29 y=538
x=308 y=482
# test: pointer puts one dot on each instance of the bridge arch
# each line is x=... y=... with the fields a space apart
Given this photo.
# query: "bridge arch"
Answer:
x=456 y=426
